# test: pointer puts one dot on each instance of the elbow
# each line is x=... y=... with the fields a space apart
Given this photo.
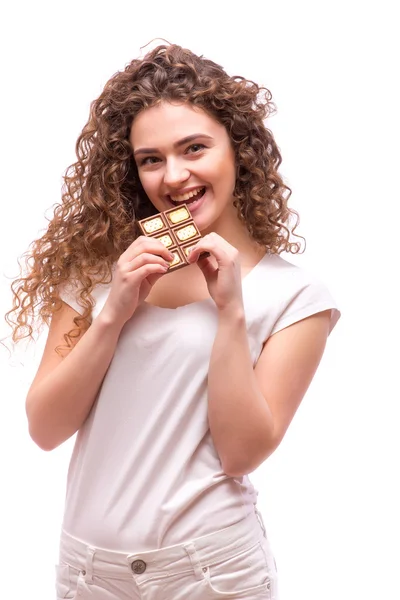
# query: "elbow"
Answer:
x=239 y=469
x=242 y=468
x=40 y=435
x=48 y=437
x=246 y=462
x=42 y=441
x=235 y=473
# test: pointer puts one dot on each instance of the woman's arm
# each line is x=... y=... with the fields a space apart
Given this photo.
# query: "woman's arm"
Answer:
x=64 y=389
x=250 y=409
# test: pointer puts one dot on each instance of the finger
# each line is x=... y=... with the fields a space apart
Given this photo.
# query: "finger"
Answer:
x=144 y=259
x=223 y=252
x=146 y=244
x=197 y=251
x=148 y=270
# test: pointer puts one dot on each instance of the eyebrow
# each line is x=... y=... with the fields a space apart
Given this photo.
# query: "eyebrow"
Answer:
x=177 y=144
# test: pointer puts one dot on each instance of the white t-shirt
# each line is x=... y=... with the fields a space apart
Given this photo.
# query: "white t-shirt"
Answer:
x=144 y=473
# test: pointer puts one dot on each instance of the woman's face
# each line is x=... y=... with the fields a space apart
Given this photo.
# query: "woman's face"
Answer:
x=184 y=156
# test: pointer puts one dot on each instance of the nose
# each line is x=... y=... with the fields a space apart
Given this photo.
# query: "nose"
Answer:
x=175 y=174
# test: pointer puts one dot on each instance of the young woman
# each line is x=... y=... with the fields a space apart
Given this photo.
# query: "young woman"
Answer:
x=179 y=382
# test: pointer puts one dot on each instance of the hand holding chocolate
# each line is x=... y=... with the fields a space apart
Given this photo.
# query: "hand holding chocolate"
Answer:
x=175 y=229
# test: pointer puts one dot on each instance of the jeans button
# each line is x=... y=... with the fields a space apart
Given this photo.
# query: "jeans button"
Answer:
x=138 y=566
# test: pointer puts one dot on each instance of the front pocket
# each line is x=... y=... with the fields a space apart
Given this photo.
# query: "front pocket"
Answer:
x=240 y=576
x=69 y=581
x=63 y=582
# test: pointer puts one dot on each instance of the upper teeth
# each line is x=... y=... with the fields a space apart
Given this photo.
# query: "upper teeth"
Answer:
x=184 y=197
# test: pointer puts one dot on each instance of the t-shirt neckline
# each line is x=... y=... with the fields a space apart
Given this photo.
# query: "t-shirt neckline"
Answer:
x=245 y=281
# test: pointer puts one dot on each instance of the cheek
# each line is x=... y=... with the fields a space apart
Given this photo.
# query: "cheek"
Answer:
x=224 y=167
x=225 y=174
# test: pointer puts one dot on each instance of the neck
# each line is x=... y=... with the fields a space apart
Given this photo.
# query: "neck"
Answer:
x=236 y=233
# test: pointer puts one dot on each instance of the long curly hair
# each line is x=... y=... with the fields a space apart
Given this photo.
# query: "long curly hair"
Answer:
x=102 y=197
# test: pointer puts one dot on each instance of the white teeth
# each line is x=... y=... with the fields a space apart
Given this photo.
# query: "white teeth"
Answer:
x=187 y=196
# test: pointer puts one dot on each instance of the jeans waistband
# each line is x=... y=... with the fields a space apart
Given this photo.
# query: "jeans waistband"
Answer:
x=168 y=560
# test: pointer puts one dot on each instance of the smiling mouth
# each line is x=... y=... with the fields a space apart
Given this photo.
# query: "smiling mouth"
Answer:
x=188 y=198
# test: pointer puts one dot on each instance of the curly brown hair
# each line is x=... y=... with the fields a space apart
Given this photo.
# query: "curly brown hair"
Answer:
x=102 y=197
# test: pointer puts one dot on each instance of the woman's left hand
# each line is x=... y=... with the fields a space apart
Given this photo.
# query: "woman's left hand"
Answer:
x=224 y=281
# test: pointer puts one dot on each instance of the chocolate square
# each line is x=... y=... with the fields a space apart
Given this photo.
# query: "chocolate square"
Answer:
x=167 y=238
x=178 y=215
x=154 y=224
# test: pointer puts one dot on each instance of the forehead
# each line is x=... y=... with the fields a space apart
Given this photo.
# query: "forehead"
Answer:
x=165 y=123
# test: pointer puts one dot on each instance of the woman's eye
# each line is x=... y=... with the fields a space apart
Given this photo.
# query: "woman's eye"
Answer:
x=194 y=148
x=149 y=160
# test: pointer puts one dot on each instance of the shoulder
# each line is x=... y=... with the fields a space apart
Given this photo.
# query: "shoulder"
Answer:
x=281 y=292
x=288 y=276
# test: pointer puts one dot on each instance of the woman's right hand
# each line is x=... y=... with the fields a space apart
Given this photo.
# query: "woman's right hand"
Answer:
x=137 y=270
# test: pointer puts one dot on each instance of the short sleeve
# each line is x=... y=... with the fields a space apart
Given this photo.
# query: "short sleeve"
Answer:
x=68 y=292
x=309 y=300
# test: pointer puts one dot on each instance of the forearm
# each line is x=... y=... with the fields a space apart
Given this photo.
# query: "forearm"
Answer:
x=240 y=420
x=58 y=405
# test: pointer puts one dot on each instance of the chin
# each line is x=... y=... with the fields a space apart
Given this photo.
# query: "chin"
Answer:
x=205 y=226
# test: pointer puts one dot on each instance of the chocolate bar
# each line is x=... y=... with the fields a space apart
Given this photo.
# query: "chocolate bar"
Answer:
x=175 y=229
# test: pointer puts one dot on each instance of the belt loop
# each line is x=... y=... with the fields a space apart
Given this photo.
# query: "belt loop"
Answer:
x=194 y=559
x=89 y=564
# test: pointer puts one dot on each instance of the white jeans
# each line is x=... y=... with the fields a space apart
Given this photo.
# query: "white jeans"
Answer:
x=235 y=562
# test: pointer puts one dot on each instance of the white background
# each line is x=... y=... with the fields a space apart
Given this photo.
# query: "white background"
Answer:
x=330 y=494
